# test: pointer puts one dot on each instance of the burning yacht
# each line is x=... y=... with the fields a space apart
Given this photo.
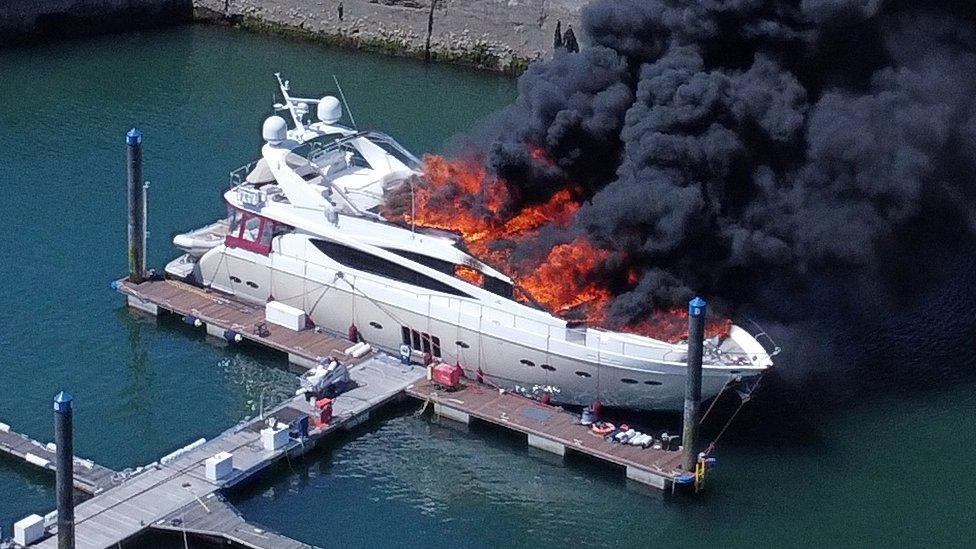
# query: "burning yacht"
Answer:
x=305 y=228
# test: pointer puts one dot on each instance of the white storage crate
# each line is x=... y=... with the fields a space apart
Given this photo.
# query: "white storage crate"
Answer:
x=220 y=466
x=28 y=530
x=285 y=315
x=274 y=439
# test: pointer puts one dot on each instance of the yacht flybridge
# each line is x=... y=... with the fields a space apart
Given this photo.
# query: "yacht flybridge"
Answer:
x=304 y=228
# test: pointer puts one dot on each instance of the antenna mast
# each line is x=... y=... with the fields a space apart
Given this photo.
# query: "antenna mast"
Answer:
x=344 y=104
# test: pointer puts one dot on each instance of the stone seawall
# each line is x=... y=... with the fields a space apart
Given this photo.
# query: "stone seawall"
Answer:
x=25 y=20
x=493 y=34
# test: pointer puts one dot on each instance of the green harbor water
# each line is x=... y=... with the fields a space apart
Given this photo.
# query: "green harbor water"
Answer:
x=860 y=441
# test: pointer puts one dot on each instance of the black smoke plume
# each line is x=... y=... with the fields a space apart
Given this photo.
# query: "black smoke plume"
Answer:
x=736 y=147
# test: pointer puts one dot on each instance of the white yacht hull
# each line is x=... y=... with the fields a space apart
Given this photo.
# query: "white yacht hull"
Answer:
x=335 y=303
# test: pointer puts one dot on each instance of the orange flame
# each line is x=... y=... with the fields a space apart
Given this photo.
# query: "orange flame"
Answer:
x=459 y=195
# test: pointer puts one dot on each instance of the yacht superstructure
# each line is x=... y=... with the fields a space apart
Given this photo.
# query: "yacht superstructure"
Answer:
x=304 y=228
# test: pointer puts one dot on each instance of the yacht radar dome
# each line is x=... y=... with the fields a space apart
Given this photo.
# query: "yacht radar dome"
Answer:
x=329 y=110
x=274 y=130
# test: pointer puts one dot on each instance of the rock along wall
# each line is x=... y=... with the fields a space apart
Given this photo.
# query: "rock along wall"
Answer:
x=494 y=34
x=23 y=20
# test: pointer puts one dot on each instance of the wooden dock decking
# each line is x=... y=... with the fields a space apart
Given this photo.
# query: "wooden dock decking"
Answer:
x=176 y=494
x=549 y=428
x=213 y=517
x=222 y=312
x=160 y=490
x=89 y=477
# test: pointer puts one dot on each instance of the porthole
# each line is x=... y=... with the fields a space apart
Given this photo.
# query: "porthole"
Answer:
x=583 y=374
x=527 y=362
x=652 y=383
x=376 y=325
x=235 y=279
x=547 y=367
x=462 y=344
x=628 y=381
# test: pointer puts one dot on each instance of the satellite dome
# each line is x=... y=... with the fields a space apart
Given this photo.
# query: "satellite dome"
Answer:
x=275 y=130
x=330 y=110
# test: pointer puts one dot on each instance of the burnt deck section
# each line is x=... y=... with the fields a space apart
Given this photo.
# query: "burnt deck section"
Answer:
x=550 y=428
x=221 y=312
x=89 y=477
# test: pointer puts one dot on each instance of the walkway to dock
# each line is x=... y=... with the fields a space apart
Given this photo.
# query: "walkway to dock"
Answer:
x=160 y=490
x=549 y=428
x=213 y=517
x=89 y=477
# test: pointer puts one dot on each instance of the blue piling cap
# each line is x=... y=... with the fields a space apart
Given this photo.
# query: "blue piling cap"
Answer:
x=696 y=307
x=133 y=137
x=62 y=401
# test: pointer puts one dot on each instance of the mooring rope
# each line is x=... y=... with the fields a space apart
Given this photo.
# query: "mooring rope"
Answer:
x=728 y=383
x=741 y=405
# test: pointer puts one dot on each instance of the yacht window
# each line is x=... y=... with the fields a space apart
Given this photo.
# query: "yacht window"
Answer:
x=628 y=381
x=366 y=262
x=468 y=274
x=462 y=344
x=421 y=341
x=266 y=234
x=376 y=325
x=527 y=362
x=234 y=220
x=548 y=367
x=499 y=287
x=652 y=383
x=445 y=267
x=583 y=374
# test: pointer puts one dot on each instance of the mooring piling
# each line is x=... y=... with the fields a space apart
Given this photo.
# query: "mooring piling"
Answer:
x=696 y=337
x=63 y=437
x=136 y=207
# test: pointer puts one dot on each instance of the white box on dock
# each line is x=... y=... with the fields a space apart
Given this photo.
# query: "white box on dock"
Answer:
x=219 y=466
x=278 y=313
x=28 y=530
x=274 y=439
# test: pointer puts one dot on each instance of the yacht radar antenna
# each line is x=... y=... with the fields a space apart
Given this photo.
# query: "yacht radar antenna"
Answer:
x=345 y=105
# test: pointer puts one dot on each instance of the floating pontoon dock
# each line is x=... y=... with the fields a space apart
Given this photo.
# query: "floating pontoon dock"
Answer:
x=550 y=428
x=547 y=427
x=89 y=476
x=158 y=494
x=175 y=493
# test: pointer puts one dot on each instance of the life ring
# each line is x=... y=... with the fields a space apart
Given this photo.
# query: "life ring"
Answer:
x=607 y=428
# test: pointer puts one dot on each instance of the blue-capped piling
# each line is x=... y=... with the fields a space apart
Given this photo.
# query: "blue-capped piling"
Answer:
x=696 y=339
x=63 y=438
x=136 y=207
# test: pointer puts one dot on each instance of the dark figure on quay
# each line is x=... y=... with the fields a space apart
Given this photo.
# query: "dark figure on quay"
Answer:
x=341 y=10
x=557 y=39
x=569 y=41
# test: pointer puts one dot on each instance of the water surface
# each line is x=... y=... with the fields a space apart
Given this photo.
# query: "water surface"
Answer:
x=808 y=464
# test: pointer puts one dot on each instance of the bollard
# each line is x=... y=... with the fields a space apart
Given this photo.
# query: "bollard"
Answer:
x=65 y=470
x=696 y=336
x=137 y=207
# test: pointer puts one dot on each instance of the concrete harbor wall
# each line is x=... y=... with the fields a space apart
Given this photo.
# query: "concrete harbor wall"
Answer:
x=493 y=34
x=25 y=20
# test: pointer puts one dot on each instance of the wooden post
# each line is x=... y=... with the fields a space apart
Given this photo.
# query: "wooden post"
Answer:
x=63 y=438
x=137 y=207
x=696 y=337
